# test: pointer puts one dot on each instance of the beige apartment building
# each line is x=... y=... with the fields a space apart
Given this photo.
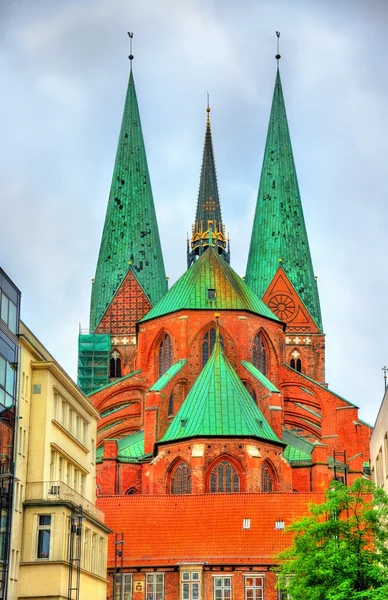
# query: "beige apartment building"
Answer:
x=379 y=446
x=57 y=530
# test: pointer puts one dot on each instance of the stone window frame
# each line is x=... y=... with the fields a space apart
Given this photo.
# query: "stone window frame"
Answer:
x=179 y=463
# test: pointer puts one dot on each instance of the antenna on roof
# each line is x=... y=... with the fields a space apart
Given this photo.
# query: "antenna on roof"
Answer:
x=131 y=57
x=278 y=56
x=385 y=369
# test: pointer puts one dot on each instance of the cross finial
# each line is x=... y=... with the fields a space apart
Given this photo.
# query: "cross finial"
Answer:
x=130 y=34
x=385 y=369
x=278 y=57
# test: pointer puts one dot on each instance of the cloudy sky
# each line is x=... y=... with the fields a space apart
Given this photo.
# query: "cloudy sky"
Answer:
x=64 y=71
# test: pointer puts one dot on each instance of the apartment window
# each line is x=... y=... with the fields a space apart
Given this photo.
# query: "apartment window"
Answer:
x=7 y=383
x=8 y=312
x=84 y=432
x=83 y=483
x=155 y=586
x=86 y=548
x=94 y=552
x=21 y=497
x=254 y=588
x=93 y=452
x=190 y=585
x=71 y=421
x=63 y=413
x=44 y=532
x=52 y=465
x=222 y=588
x=124 y=581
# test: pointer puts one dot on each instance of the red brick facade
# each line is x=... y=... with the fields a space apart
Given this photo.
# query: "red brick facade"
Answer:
x=298 y=402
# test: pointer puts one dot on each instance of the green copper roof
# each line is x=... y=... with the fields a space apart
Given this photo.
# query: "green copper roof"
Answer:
x=130 y=231
x=210 y=272
x=279 y=230
x=208 y=227
x=291 y=439
x=260 y=376
x=292 y=454
x=130 y=448
x=219 y=405
x=168 y=375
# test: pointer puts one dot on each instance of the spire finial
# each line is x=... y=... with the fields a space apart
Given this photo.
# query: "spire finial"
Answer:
x=208 y=109
x=278 y=57
x=130 y=34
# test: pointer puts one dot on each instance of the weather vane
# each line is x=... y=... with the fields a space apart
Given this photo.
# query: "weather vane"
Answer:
x=278 y=57
x=130 y=45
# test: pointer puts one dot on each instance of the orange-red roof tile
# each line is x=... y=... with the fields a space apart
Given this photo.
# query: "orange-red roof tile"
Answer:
x=168 y=530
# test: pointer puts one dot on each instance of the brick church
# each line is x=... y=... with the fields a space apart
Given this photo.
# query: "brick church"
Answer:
x=217 y=427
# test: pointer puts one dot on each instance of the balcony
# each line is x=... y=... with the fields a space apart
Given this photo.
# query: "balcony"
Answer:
x=57 y=491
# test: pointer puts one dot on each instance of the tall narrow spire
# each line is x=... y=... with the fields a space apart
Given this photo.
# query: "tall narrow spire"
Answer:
x=130 y=237
x=208 y=228
x=279 y=233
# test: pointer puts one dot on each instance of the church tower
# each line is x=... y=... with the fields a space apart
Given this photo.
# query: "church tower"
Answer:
x=130 y=276
x=214 y=388
x=279 y=268
x=208 y=229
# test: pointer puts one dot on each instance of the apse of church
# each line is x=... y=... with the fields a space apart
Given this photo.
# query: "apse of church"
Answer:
x=217 y=385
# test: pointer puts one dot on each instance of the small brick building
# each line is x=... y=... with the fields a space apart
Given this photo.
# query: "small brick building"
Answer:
x=217 y=427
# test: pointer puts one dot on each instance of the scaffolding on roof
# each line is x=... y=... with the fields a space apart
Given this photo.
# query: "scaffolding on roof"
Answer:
x=93 y=361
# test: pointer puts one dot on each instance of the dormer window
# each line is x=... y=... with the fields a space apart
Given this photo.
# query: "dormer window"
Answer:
x=211 y=294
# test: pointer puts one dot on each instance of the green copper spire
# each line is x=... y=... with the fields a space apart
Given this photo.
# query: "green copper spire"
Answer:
x=279 y=230
x=130 y=233
x=218 y=404
x=208 y=228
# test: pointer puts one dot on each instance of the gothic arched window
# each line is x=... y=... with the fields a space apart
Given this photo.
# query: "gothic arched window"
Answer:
x=267 y=482
x=209 y=339
x=171 y=405
x=115 y=365
x=180 y=482
x=165 y=354
x=224 y=478
x=296 y=364
x=259 y=354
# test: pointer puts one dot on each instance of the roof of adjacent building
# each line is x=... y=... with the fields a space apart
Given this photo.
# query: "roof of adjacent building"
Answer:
x=279 y=231
x=218 y=404
x=210 y=272
x=203 y=528
x=130 y=233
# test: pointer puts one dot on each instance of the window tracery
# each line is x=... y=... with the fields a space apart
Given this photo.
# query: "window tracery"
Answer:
x=208 y=342
x=267 y=479
x=224 y=478
x=180 y=481
x=165 y=354
x=259 y=354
